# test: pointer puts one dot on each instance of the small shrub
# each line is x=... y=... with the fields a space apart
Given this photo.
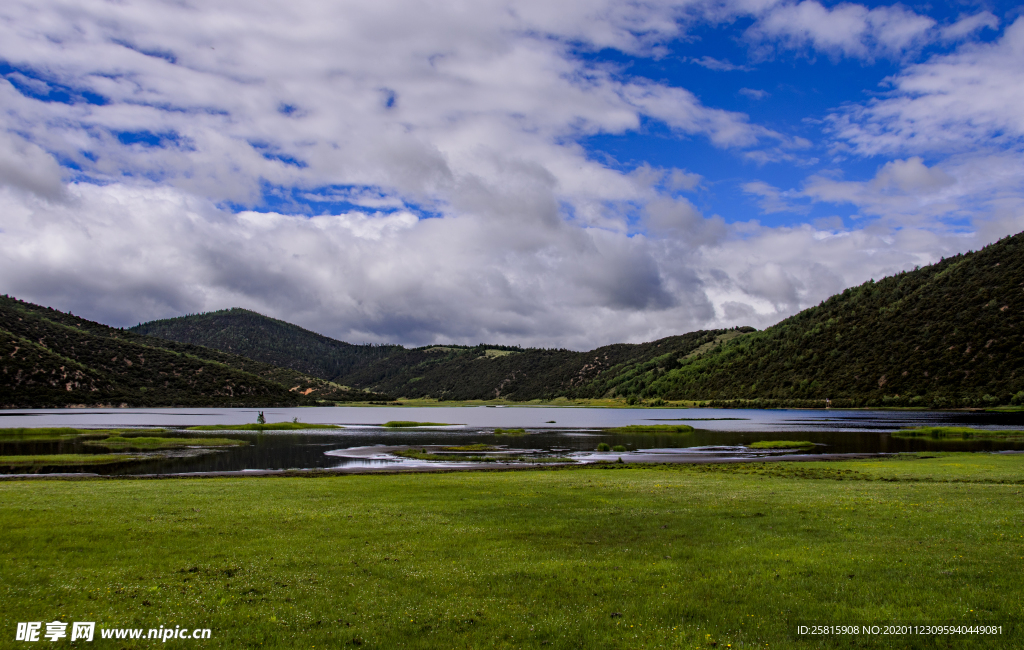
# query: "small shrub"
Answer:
x=604 y=446
x=619 y=448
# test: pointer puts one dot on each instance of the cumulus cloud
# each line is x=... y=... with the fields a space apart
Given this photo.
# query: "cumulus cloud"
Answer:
x=843 y=30
x=427 y=171
x=25 y=166
x=124 y=254
x=772 y=199
x=753 y=93
x=950 y=103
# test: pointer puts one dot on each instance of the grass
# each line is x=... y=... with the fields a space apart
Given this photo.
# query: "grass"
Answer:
x=144 y=443
x=276 y=426
x=651 y=428
x=958 y=433
x=65 y=460
x=409 y=424
x=781 y=444
x=474 y=447
x=723 y=556
x=55 y=434
x=510 y=432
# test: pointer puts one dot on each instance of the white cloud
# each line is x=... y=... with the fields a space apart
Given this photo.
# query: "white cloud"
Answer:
x=25 y=166
x=967 y=26
x=772 y=199
x=962 y=101
x=753 y=93
x=719 y=65
x=122 y=254
x=843 y=30
x=473 y=112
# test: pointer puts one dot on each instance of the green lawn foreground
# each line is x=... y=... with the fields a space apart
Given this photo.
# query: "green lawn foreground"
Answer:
x=724 y=556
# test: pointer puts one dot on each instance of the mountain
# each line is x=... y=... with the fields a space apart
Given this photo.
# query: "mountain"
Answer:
x=946 y=335
x=489 y=372
x=52 y=359
x=244 y=332
x=444 y=372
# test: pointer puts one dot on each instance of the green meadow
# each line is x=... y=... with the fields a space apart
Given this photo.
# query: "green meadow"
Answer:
x=617 y=556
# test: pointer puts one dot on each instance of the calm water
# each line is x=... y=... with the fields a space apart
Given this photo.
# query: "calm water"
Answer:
x=563 y=431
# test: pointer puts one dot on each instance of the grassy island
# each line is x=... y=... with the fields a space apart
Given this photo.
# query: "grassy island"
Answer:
x=145 y=443
x=637 y=429
x=958 y=433
x=781 y=444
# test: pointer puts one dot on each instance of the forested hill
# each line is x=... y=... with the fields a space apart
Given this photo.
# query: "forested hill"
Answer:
x=244 y=332
x=443 y=372
x=52 y=359
x=489 y=372
x=947 y=335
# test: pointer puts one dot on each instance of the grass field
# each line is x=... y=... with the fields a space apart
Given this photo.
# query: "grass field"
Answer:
x=148 y=443
x=724 y=556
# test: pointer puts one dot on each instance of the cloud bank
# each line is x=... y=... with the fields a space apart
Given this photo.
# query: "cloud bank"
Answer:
x=416 y=173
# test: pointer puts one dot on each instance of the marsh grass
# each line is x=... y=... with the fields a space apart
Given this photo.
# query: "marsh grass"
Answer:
x=142 y=443
x=958 y=433
x=605 y=557
x=63 y=460
x=510 y=432
x=55 y=434
x=474 y=447
x=781 y=444
x=276 y=426
x=651 y=428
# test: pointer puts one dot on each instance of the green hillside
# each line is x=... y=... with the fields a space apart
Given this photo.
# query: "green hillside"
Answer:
x=52 y=359
x=445 y=372
x=244 y=332
x=946 y=335
x=489 y=372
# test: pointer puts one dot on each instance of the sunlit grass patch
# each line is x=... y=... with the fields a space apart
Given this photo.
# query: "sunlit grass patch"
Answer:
x=63 y=460
x=651 y=428
x=781 y=444
x=510 y=432
x=54 y=434
x=474 y=447
x=958 y=433
x=609 y=557
x=143 y=443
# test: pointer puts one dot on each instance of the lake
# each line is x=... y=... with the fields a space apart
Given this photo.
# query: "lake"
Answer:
x=559 y=431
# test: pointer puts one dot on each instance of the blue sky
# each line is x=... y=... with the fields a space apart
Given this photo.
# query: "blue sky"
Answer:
x=563 y=174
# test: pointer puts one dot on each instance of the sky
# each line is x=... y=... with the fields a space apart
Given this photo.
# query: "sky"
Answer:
x=545 y=173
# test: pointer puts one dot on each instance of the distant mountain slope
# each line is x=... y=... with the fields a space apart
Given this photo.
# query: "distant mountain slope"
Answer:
x=445 y=372
x=947 y=335
x=244 y=332
x=52 y=359
x=489 y=372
